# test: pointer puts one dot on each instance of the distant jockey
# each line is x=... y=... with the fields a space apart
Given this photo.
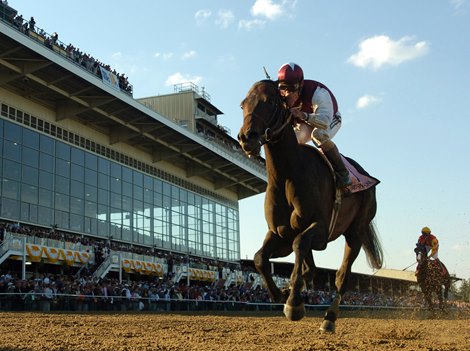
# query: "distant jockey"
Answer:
x=430 y=242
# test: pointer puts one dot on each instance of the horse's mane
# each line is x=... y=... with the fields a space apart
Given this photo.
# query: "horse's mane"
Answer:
x=267 y=81
x=270 y=82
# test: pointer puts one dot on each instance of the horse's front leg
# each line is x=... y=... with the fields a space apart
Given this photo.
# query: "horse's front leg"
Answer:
x=273 y=246
x=428 y=297
x=294 y=308
x=441 y=298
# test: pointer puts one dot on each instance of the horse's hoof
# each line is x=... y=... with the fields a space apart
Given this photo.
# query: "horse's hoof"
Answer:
x=328 y=326
x=294 y=313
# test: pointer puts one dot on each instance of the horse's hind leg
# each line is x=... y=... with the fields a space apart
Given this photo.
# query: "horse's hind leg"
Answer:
x=273 y=246
x=351 y=251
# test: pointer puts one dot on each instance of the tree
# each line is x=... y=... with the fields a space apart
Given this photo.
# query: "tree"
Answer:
x=463 y=293
x=465 y=290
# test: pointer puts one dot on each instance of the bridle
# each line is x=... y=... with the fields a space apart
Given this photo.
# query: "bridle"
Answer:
x=272 y=133
x=421 y=254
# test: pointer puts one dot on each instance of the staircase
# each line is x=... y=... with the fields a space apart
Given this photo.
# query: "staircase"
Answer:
x=181 y=272
x=112 y=262
x=11 y=246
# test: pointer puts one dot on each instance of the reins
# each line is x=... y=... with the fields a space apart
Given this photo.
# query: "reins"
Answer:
x=270 y=134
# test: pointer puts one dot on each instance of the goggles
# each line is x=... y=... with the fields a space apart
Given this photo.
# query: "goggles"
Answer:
x=289 y=88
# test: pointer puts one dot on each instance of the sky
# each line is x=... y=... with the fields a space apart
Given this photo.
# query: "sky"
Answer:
x=399 y=69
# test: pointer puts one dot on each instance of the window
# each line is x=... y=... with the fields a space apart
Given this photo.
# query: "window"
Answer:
x=77 y=172
x=10 y=208
x=62 y=185
x=77 y=206
x=30 y=138
x=62 y=202
x=77 y=189
x=46 y=144
x=12 y=132
x=30 y=157
x=91 y=193
x=11 y=170
x=29 y=194
x=91 y=161
x=30 y=175
x=91 y=177
x=46 y=162
x=62 y=151
x=78 y=156
x=62 y=167
x=11 y=150
x=45 y=198
x=46 y=180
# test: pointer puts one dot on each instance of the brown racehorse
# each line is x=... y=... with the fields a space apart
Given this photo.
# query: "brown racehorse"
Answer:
x=431 y=279
x=298 y=204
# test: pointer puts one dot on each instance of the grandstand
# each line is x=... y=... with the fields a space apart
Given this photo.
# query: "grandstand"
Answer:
x=96 y=182
x=95 y=161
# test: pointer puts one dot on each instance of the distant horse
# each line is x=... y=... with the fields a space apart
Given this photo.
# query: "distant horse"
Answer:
x=299 y=204
x=431 y=279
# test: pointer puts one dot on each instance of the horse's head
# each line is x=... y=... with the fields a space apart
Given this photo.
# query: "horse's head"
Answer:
x=421 y=253
x=264 y=116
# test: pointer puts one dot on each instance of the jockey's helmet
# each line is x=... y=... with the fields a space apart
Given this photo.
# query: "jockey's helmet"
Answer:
x=425 y=230
x=290 y=74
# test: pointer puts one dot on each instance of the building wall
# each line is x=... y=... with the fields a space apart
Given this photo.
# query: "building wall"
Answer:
x=179 y=108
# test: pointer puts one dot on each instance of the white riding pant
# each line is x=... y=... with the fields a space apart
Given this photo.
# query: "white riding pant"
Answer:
x=305 y=132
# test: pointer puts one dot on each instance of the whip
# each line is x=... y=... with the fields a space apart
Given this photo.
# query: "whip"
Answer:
x=267 y=74
x=404 y=269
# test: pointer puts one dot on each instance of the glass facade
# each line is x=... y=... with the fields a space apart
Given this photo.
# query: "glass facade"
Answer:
x=46 y=181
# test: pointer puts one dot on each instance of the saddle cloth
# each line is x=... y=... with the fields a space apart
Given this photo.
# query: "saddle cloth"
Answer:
x=359 y=181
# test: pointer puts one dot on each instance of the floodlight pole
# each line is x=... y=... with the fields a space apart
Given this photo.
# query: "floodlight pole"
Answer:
x=23 y=266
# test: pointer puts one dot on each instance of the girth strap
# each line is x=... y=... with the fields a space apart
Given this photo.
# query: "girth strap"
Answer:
x=335 y=212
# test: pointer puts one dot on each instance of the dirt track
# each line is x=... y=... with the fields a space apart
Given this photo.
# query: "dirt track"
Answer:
x=97 y=332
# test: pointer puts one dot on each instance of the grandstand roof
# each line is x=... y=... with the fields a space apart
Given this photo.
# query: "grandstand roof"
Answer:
x=396 y=274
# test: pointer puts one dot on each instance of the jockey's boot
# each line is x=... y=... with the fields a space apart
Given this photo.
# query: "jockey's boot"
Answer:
x=332 y=154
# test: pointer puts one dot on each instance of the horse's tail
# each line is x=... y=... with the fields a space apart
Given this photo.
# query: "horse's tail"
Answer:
x=373 y=247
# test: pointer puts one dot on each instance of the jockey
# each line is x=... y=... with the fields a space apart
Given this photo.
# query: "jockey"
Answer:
x=316 y=114
x=430 y=242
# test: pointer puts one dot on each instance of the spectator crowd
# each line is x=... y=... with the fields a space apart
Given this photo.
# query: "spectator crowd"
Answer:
x=88 y=62
x=80 y=291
